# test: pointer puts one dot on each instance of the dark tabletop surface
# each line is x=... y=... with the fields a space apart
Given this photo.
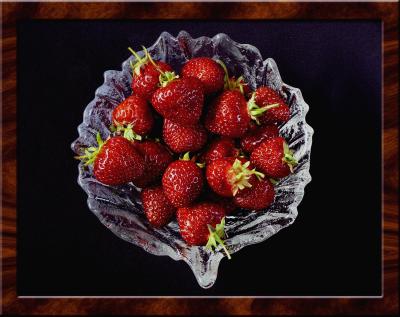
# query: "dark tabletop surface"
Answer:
x=334 y=246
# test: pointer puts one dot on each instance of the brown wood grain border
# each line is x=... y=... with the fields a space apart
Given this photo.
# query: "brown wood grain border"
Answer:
x=386 y=12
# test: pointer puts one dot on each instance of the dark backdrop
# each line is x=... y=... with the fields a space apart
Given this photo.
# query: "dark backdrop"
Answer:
x=334 y=246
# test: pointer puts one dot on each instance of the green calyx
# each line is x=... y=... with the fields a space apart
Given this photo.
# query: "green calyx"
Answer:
x=273 y=181
x=288 y=157
x=230 y=83
x=166 y=78
x=255 y=111
x=126 y=131
x=140 y=61
x=241 y=175
x=186 y=157
x=91 y=152
x=216 y=237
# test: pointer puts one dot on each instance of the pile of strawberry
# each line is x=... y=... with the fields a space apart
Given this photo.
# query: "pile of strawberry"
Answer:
x=219 y=149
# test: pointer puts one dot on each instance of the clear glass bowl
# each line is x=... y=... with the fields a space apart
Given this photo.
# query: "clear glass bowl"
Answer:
x=119 y=208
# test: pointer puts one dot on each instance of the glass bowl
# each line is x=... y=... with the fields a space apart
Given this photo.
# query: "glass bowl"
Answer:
x=119 y=207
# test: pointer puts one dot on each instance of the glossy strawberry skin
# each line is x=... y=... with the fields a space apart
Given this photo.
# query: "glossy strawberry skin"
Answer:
x=118 y=162
x=181 y=139
x=228 y=115
x=219 y=176
x=135 y=111
x=256 y=135
x=182 y=182
x=156 y=157
x=158 y=210
x=257 y=197
x=147 y=82
x=193 y=221
x=267 y=157
x=266 y=96
x=180 y=101
x=220 y=148
x=225 y=202
x=208 y=71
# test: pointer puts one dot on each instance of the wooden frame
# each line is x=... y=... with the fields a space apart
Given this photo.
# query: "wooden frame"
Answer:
x=386 y=12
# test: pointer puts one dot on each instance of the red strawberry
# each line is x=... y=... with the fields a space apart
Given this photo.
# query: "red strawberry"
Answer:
x=146 y=74
x=265 y=96
x=133 y=116
x=182 y=139
x=220 y=148
x=158 y=210
x=227 y=176
x=274 y=158
x=257 y=197
x=256 y=135
x=224 y=202
x=228 y=115
x=203 y=224
x=182 y=182
x=116 y=161
x=208 y=71
x=156 y=157
x=179 y=99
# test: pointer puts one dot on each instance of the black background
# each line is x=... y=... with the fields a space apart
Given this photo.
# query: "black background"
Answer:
x=334 y=246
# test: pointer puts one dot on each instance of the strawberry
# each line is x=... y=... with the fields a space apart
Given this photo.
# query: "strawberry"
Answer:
x=133 y=117
x=256 y=135
x=158 y=210
x=182 y=182
x=227 y=176
x=265 y=96
x=146 y=74
x=257 y=197
x=182 y=139
x=179 y=99
x=228 y=115
x=156 y=157
x=208 y=71
x=274 y=158
x=220 y=148
x=203 y=224
x=225 y=202
x=115 y=161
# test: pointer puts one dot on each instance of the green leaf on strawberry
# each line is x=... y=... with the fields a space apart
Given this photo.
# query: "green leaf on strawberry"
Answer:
x=91 y=152
x=288 y=157
x=242 y=175
x=255 y=111
x=216 y=237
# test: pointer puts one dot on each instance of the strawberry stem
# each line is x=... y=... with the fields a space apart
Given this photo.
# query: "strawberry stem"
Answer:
x=273 y=181
x=151 y=60
x=255 y=111
x=216 y=237
x=91 y=152
x=167 y=77
x=230 y=83
x=241 y=175
x=139 y=61
x=288 y=157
